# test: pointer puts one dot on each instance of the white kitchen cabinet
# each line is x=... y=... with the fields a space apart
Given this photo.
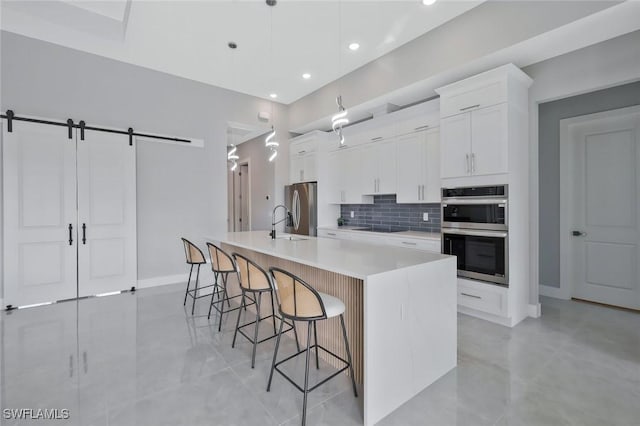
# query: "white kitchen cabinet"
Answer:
x=474 y=143
x=303 y=160
x=418 y=167
x=335 y=234
x=489 y=140
x=344 y=176
x=303 y=168
x=379 y=167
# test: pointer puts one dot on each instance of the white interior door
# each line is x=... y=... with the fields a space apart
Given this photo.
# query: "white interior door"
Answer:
x=106 y=213
x=605 y=224
x=40 y=234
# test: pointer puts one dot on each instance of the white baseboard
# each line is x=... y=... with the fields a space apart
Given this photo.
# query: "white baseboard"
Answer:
x=164 y=280
x=534 y=310
x=555 y=292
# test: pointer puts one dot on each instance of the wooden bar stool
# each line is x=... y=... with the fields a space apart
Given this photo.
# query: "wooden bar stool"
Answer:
x=255 y=280
x=194 y=257
x=222 y=264
x=298 y=301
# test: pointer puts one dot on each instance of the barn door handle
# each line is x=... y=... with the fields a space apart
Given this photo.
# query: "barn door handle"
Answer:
x=70 y=234
x=578 y=233
x=84 y=233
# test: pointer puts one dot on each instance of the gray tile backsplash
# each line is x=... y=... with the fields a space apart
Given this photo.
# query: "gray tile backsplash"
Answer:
x=387 y=215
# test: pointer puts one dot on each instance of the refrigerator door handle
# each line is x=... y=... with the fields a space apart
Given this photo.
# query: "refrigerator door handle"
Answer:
x=296 y=209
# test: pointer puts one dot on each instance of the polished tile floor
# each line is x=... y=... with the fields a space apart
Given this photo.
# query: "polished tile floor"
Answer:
x=142 y=359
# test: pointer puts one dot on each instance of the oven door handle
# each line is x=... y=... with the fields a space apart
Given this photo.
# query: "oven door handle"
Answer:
x=446 y=201
x=474 y=233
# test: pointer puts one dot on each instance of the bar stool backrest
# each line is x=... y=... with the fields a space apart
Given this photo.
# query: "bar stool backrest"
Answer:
x=252 y=276
x=297 y=299
x=193 y=254
x=220 y=260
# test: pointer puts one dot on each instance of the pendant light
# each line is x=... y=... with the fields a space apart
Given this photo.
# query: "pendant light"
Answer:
x=270 y=142
x=339 y=119
x=232 y=157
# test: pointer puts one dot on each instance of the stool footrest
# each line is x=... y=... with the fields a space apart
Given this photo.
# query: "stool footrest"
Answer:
x=319 y=383
x=215 y=303
x=192 y=291
x=250 y=339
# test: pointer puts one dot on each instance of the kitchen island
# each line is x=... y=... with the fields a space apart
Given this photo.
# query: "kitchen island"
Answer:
x=400 y=308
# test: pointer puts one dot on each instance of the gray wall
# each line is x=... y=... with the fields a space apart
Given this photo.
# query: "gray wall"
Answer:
x=490 y=27
x=181 y=191
x=549 y=116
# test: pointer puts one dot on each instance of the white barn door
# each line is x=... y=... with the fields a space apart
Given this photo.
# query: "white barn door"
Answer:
x=106 y=213
x=40 y=222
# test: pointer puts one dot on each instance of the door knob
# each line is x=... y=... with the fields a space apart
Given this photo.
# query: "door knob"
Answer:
x=578 y=233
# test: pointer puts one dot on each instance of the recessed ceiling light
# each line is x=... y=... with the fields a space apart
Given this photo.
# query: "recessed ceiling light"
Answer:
x=273 y=95
x=306 y=76
x=428 y=2
x=354 y=46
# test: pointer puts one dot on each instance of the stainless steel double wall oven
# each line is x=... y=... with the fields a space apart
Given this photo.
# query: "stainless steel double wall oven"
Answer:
x=475 y=226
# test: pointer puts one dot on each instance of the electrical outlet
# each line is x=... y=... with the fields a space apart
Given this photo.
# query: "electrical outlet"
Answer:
x=425 y=217
x=353 y=214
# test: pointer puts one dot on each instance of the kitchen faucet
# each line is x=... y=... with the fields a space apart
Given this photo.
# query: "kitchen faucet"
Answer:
x=273 y=219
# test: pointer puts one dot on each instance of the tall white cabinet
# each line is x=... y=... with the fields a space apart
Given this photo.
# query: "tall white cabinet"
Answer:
x=69 y=213
x=484 y=140
x=419 y=173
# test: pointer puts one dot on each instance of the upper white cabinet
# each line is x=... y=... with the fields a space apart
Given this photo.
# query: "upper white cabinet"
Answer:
x=478 y=116
x=379 y=167
x=478 y=94
x=419 y=167
x=475 y=142
x=303 y=158
x=343 y=167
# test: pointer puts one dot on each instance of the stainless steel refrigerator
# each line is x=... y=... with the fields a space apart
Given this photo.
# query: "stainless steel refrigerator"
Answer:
x=302 y=201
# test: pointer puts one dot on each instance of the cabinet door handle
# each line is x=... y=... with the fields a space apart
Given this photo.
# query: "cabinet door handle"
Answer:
x=408 y=243
x=473 y=162
x=377 y=138
x=426 y=126
x=302 y=152
x=466 y=156
x=422 y=192
x=470 y=107
x=471 y=295
x=301 y=174
x=418 y=192
x=84 y=233
x=70 y=234
x=331 y=233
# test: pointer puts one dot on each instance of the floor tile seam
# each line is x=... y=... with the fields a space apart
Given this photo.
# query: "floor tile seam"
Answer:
x=177 y=386
x=251 y=392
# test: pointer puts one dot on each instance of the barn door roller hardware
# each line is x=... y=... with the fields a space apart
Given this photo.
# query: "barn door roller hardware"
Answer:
x=11 y=117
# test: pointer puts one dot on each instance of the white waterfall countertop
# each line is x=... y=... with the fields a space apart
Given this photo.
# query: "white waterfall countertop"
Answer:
x=351 y=258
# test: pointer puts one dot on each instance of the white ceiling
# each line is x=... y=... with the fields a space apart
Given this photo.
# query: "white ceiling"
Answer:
x=189 y=38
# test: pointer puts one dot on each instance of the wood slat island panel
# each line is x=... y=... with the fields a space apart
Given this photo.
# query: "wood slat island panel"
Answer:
x=348 y=289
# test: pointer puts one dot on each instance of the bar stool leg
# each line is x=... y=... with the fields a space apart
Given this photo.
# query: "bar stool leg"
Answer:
x=195 y=292
x=315 y=339
x=255 y=333
x=233 y=344
x=295 y=333
x=346 y=344
x=213 y=295
x=224 y=281
x=306 y=377
x=275 y=355
x=224 y=296
x=273 y=311
x=186 y=293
